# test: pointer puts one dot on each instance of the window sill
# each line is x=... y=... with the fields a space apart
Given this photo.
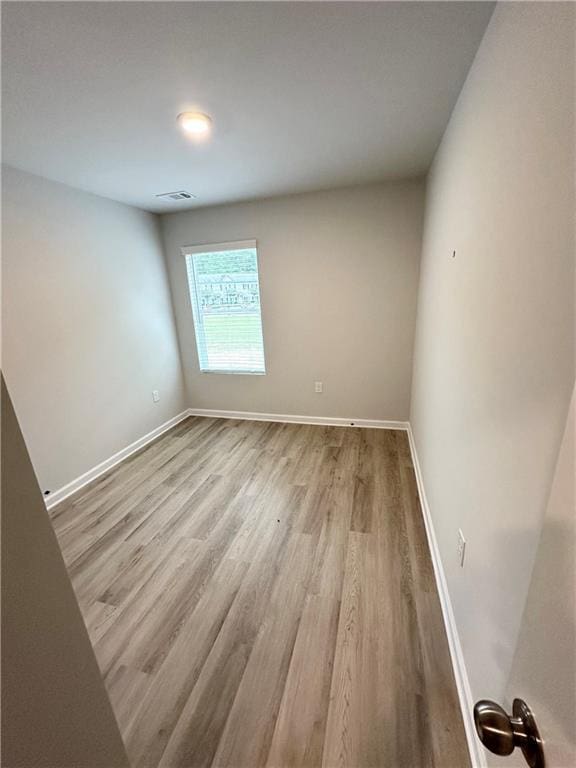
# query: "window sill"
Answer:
x=236 y=373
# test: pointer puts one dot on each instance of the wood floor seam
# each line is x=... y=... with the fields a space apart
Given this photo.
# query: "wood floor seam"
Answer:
x=261 y=595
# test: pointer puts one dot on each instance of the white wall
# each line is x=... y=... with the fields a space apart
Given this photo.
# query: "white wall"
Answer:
x=88 y=325
x=338 y=282
x=544 y=668
x=494 y=355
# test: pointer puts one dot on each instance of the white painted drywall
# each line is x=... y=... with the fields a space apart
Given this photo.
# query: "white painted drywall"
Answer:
x=494 y=353
x=544 y=668
x=88 y=325
x=338 y=282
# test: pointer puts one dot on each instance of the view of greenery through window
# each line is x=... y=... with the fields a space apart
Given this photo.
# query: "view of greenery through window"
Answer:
x=225 y=262
x=226 y=300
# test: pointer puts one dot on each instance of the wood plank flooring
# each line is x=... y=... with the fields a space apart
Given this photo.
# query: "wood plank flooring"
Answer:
x=261 y=594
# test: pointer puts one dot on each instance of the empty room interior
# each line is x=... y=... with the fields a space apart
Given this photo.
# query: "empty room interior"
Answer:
x=288 y=368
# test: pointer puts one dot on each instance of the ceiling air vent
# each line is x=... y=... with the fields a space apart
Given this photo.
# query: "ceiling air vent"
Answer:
x=181 y=195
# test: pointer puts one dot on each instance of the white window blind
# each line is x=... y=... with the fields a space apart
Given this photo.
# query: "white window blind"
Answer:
x=225 y=297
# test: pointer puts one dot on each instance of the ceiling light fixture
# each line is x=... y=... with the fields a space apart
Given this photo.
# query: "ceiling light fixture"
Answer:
x=196 y=124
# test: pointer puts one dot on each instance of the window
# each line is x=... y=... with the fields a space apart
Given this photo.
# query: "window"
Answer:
x=225 y=297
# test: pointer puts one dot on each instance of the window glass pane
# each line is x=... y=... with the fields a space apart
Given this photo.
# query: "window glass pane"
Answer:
x=225 y=296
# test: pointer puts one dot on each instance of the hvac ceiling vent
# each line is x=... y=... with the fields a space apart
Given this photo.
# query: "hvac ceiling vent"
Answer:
x=181 y=195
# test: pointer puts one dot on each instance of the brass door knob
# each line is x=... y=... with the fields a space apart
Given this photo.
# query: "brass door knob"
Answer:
x=502 y=733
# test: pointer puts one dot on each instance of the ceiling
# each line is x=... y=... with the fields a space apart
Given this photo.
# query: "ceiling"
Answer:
x=303 y=95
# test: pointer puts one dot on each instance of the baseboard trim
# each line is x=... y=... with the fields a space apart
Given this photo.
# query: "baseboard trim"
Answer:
x=329 y=421
x=75 y=485
x=477 y=755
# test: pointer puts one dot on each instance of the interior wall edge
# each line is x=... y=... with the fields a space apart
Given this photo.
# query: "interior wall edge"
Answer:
x=92 y=474
x=89 y=327
x=477 y=754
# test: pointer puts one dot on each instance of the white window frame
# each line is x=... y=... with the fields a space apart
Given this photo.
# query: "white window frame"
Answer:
x=236 y=245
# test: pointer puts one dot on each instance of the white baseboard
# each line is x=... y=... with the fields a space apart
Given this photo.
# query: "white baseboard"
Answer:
x=477 y=755
x=67 y=490
x=75 y=485
x=330 y=421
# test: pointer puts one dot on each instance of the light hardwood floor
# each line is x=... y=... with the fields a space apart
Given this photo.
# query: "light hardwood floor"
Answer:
x=261 y=594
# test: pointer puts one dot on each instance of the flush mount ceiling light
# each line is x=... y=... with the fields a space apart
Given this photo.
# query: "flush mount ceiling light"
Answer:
x=196 y=124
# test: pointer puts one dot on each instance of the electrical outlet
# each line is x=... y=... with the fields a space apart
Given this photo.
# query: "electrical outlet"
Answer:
x=461 y=547
x=155 y=395
x=318 y=387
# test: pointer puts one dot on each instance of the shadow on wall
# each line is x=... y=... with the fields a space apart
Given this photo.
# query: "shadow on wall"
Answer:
x=521 y=539
x=558 y=545
x=55 y=711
